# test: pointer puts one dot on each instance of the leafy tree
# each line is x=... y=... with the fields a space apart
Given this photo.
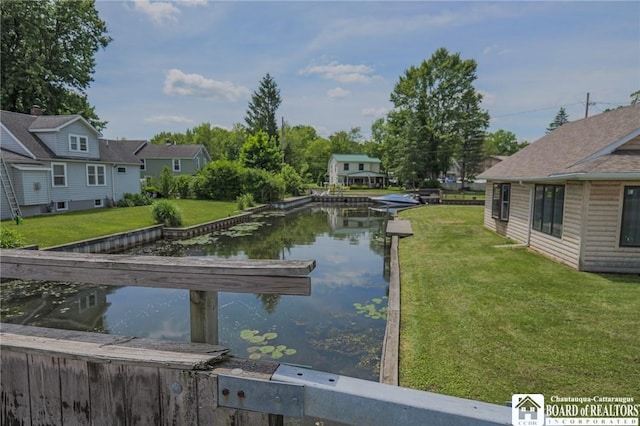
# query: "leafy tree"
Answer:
x=292 y=181
x=296 y=140
x=317 y=157
x=346 y=142
x=502 y=142
x=375 y=147
x=47 y=55
x=261 y=113
x=261 y=152
x=436 y=111
x=220 y=180
x=561 y=118
x=635 y=97
x=166 y=182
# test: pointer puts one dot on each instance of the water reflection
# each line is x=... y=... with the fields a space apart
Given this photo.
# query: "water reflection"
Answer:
x=339 y=328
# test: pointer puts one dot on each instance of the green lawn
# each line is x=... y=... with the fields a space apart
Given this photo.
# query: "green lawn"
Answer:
x=482 y=322
x=51 y=230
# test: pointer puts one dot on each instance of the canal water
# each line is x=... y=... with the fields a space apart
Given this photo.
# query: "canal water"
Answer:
x=338 y=329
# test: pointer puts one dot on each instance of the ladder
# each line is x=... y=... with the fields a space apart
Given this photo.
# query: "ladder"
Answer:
x=7 y=188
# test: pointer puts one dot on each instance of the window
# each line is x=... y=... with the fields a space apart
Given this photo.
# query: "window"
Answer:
x=197 y=163
x=501 y=200
x=361 y=166
x=143 y=164
x=95 y=175
x=62 y=205
x=78 y=143
x=122 y=170
x=630 y=230
x=548 y=209
x=176 y=164
x=98 y=203
x=59 y=174
x=346 y=167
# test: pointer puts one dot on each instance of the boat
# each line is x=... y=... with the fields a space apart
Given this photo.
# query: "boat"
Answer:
x=396 y=200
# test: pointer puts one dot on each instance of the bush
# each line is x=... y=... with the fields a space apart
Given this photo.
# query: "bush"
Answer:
x=183 y=186
x=264 y=186
x=166 y=182
x=10 y=238
x=431 y=183
x=220 y=180
x=166 y=213
x=245 y=201
x=292 y=181
x=131 y=200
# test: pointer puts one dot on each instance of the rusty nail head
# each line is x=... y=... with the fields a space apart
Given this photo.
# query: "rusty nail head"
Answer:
x=241 y=394
x=225 y=391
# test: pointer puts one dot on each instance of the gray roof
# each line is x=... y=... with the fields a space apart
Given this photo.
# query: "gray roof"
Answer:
x=118 y=151
x=18 y=124
x=169 y=151
x=607 y=143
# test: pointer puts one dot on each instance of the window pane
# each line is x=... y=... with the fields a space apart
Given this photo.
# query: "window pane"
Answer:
x=506 y=195
x=547 y=209
x=73 y=143
x=558 y=210
x=495 y=205
x=537 y=210
x=630 y=232
x=83 y=144
x=100 y=170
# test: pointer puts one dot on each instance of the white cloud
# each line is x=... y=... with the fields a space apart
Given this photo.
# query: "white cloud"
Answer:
x=175 y=119
x=178 y=83
x=344 y=73
x=337 y=93
x=159 y=12
x=374 y=112
x=494 y=49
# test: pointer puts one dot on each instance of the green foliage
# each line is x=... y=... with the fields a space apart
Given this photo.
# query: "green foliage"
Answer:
x=261 y=113
x=561 y=118
x=220 y=180
x=292 y=181
x=261 y=152
x=48 y=56
x=437 y=115
x=264 y=186
x=165 y=182
x=165 y=212
x=245 y=201
x=10 y=238
x=263 y=349
x=182 y=185
x=502 y=142
x=431 y=183
x=133 y=200
x=373 y=310
x=317 y=157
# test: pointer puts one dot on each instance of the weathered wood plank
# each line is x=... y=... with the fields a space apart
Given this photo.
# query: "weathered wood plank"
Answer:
x=207 y=385
x=108 y=353
x=178 y=393
x=74 y=390
x=142 y=395
x=106 y=386
x=203 y=309
x=14 y=387
x=44 y=390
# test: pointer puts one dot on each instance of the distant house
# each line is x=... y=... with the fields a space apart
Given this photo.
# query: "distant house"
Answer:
x=181 y=159
x=355 y=169
x=574 y=194
x=57 y=163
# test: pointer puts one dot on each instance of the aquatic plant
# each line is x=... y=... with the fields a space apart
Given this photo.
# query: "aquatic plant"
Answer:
x=372 y=310
x=263 y=349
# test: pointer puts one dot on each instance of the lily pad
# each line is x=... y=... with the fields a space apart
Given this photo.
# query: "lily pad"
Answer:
x=270 y=336
x=267 y=349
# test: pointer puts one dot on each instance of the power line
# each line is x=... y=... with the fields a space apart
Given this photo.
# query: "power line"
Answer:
x=534 y=110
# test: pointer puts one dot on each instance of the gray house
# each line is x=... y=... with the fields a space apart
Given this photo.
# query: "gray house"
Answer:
x=181 y=159
x=57 y=163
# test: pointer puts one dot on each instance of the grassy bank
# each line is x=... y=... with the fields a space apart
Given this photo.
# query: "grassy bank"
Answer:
x=47 y=231
x=482 y=322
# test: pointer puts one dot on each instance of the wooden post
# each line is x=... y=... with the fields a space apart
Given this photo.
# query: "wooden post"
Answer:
x=204 y=316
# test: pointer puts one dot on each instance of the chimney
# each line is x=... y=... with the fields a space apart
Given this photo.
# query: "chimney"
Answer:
x=35 y=110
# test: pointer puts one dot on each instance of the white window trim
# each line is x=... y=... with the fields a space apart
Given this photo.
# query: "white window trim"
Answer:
x=98 y=203
x=104 y=174
x=173 y=165
x=53 y=176
x=143 y=164
x=66 y=206
x=78 y=138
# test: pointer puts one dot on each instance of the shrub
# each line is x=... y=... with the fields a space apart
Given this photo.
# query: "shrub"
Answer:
x=131 y=200
x=245 y=201
x=10 y=238
x=264 y=186
x=167 y=213
x=431 y=183
x=292 y=181
x=166 y=182
x=183 y=186
x=220 y=180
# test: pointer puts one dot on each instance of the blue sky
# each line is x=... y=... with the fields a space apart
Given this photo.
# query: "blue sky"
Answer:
x=174 y=65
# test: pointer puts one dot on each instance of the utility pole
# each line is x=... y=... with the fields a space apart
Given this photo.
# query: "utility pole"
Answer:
x=282 y=139
x=586 y=109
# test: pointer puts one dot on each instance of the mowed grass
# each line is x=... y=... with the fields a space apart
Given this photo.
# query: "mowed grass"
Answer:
x=484 y=323
x=52 y=230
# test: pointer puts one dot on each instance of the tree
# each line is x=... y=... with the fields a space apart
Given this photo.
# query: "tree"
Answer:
x=561 y=118
x=436 y=112
x=635 y=97
x=47 y=55
x=261 y=113
x=346 y=142
x=261 y=152
x=502 y=142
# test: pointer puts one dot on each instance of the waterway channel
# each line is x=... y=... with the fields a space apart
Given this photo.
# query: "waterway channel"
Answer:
x=338 y=329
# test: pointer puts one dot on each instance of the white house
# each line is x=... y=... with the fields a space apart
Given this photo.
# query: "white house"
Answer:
x=355 y=169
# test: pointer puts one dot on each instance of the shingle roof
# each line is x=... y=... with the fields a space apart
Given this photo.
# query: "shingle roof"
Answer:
x=18 y=124
x=355 y=158
x=169 y=151
x=118 y=151
x=583 y=146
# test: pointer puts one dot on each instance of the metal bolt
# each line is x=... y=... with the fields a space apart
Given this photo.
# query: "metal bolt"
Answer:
x=225 y=391
x=176 y=387
x=278 y=399
x=241 y=394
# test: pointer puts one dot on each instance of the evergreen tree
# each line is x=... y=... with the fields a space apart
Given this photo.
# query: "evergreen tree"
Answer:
x=561 y=118
x=47 y=56
x=261 y=113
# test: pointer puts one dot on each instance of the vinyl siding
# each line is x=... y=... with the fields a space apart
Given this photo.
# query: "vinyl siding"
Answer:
x=5 y=211
x=126 y=182
x=517 y=227
x=77 y=188
x=32 y=187
x=602 y=251
x=9 y=143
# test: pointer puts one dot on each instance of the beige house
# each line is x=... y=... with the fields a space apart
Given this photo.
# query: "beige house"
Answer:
x=574 y=194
